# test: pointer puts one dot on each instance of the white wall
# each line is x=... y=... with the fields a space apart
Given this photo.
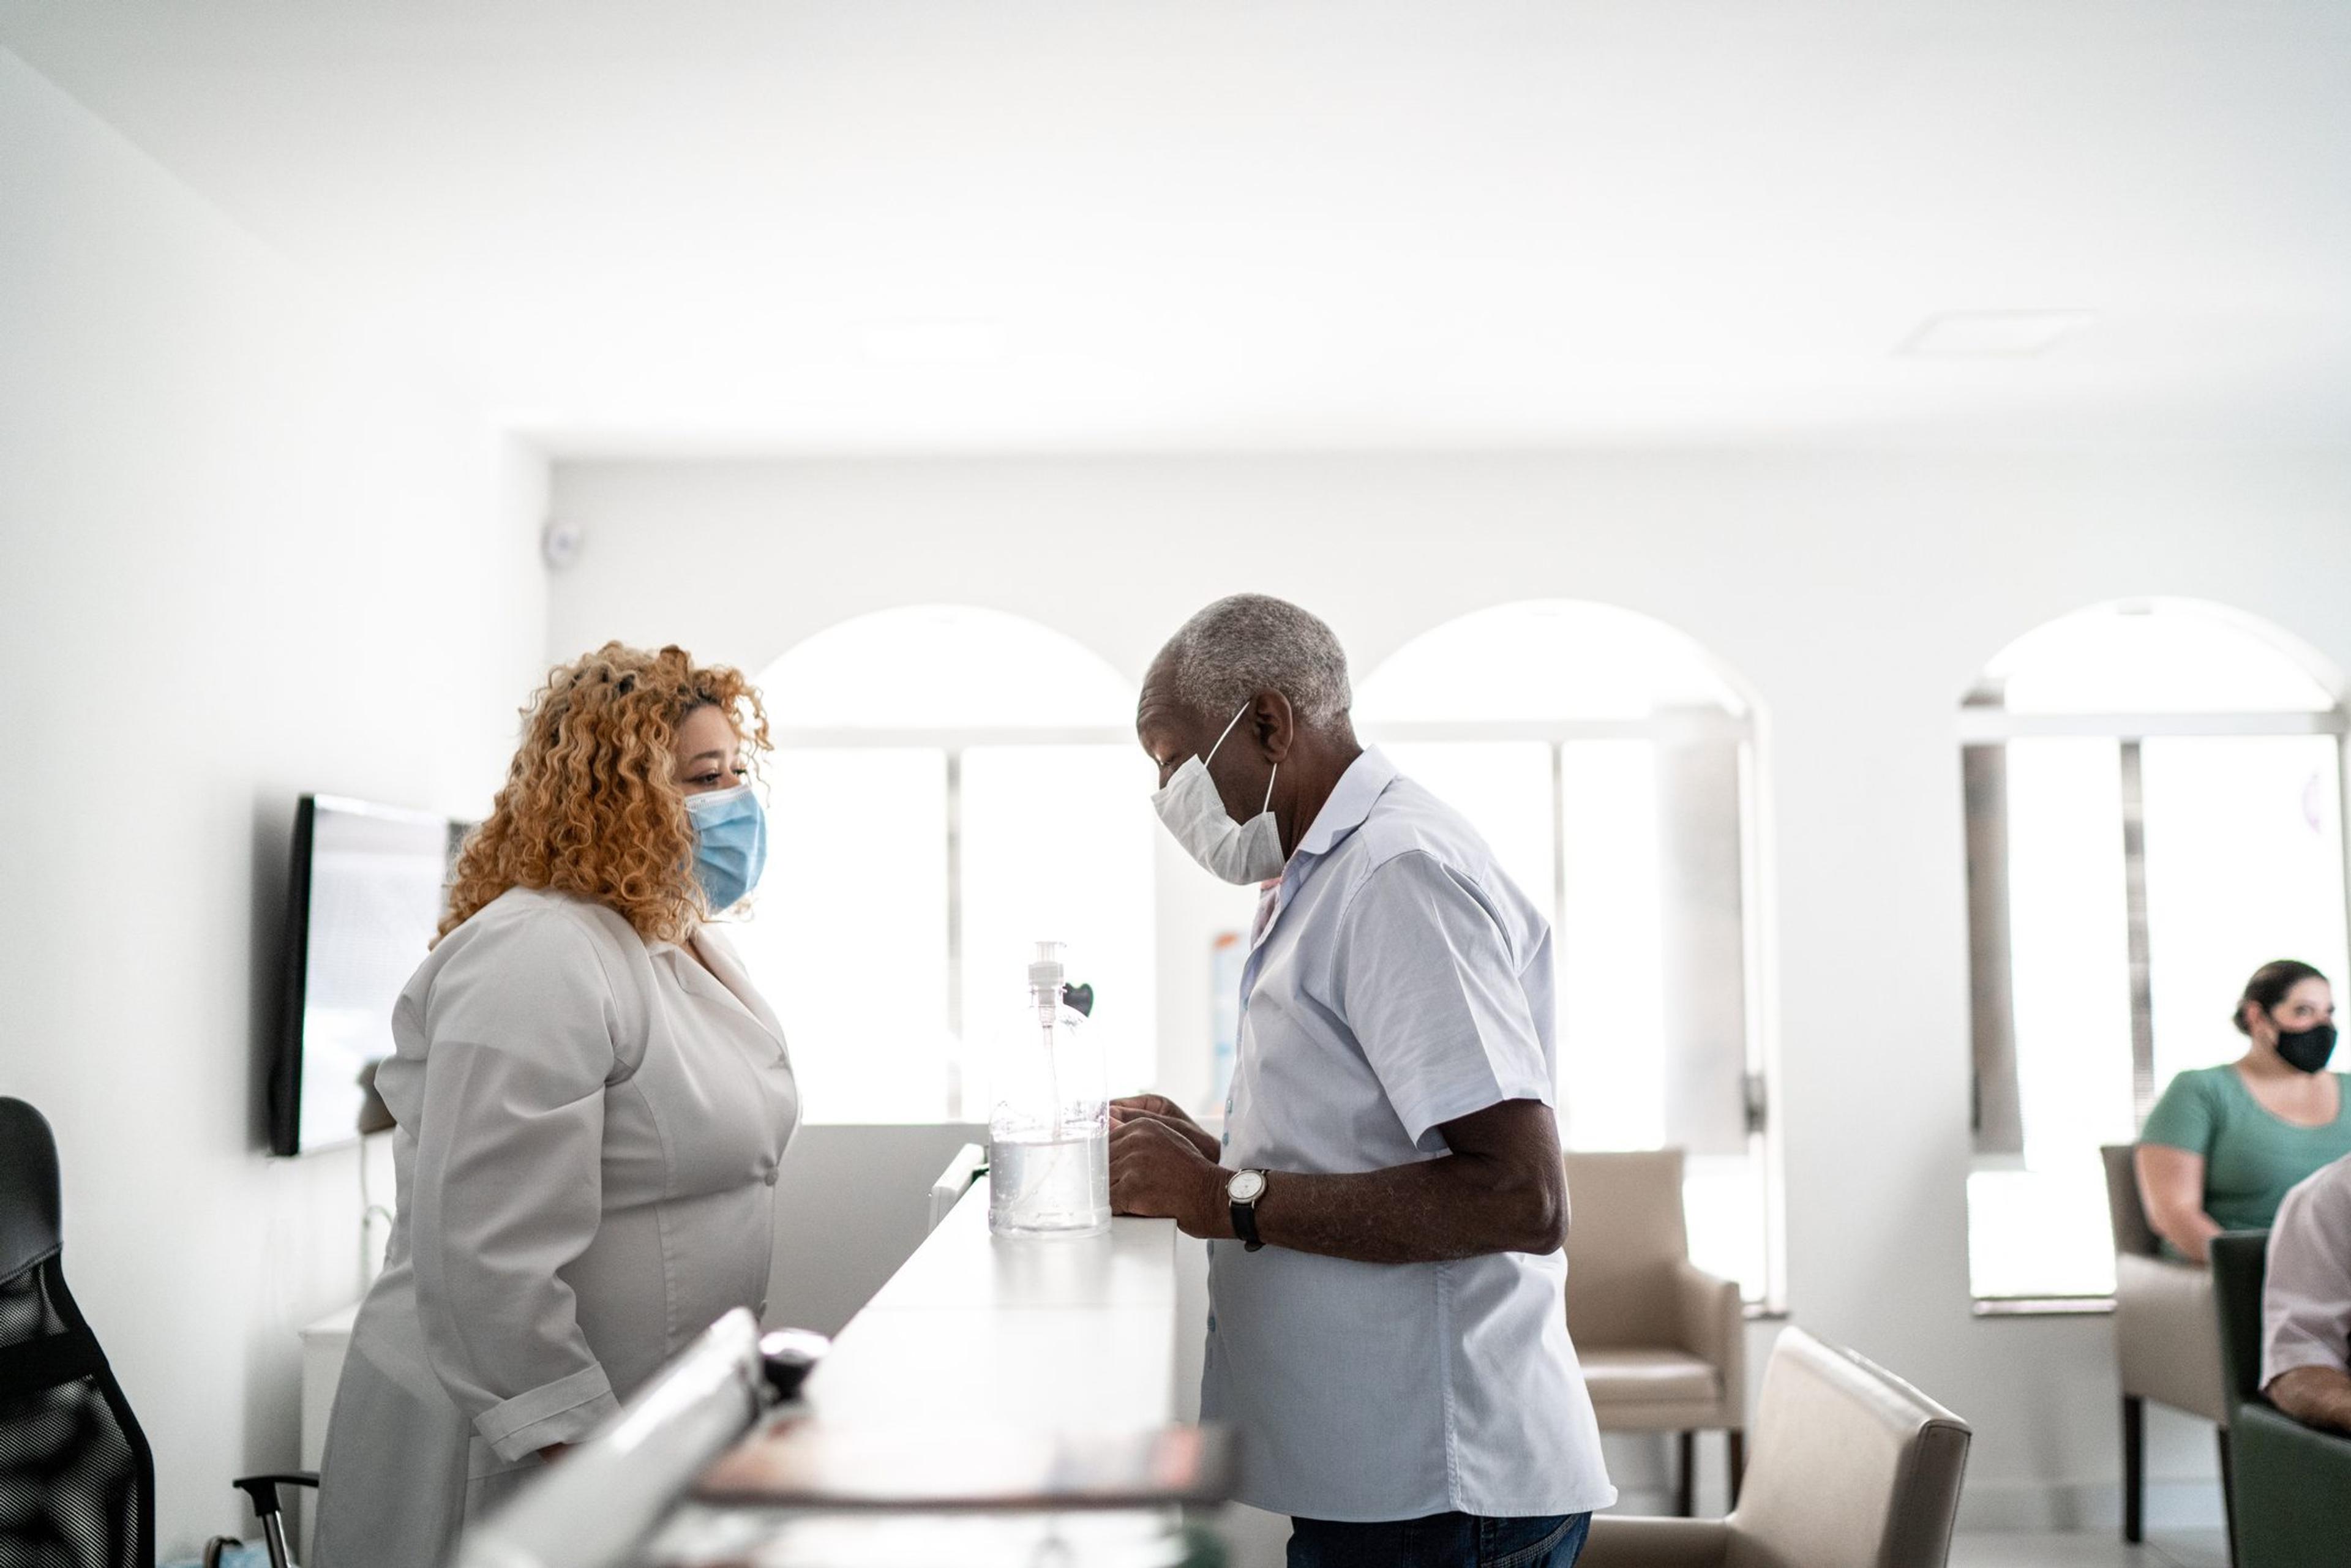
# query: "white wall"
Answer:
x=1857 y=591
x=243 y=552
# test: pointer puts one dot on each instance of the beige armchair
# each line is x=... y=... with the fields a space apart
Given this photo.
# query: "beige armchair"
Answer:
x=1853 y=1469
x=1662 y=1342
x=2167 y=1335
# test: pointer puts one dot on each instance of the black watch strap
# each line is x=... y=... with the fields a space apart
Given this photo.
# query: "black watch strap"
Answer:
x=1244 y=1218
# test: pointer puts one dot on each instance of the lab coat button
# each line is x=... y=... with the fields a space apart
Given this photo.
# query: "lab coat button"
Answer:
x=769 y=1178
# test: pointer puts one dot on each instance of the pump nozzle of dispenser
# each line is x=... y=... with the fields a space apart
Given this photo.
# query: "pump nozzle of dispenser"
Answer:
x=1045 y=981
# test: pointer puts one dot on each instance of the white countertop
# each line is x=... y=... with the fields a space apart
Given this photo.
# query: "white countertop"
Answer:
x=1079 y=1333
x=1072 y=1335
x=972 y=1334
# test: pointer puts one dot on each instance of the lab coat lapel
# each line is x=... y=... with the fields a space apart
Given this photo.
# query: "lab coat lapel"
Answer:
x=725 y=981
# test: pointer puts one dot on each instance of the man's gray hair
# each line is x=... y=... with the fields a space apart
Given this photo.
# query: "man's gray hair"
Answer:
x=1252 y=643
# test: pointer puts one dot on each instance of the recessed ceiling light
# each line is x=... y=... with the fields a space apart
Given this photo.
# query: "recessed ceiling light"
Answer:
x=1993 y=334
x=934 y=342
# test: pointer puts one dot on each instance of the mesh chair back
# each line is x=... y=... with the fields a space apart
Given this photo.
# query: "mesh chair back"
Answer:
x=2125 y=1210
x=77 y=1477
x=30 y=1229
x=2241 y=1262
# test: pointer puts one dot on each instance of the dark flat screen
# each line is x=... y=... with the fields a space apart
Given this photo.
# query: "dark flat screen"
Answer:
x=370 y=884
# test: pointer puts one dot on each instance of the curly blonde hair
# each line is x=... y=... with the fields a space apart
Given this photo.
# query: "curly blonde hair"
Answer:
x=589 y=805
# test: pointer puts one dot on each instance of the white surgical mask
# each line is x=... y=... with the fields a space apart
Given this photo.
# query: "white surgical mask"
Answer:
x=1241 y=852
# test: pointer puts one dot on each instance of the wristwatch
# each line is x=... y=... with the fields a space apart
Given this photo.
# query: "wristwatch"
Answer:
x=1242 y=1192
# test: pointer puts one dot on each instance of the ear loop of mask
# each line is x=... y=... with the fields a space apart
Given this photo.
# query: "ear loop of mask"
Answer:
x=1220 y=741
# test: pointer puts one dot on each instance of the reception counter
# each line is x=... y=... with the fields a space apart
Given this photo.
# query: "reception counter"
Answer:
x=1098 y=1333
x=1053 y=1331
x=1074 y=1333
x=996 y=1400
x=978 y=1337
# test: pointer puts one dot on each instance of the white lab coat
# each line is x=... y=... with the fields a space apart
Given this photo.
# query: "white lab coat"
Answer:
x=590 y=1126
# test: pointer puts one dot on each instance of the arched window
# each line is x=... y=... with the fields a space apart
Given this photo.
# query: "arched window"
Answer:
x=2154 y=798
x=1608 y=761
x=950 y=785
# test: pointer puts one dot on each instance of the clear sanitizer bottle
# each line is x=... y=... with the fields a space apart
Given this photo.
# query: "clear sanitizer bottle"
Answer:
x=1049 y=1134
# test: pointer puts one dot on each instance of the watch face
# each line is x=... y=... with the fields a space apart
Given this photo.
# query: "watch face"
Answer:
x=1246 y=1187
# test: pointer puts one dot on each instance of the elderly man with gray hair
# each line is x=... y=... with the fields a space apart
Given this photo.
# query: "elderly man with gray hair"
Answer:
x=1385 y=1209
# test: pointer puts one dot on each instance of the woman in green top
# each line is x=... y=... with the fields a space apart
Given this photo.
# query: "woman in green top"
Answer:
x=2223 y=1144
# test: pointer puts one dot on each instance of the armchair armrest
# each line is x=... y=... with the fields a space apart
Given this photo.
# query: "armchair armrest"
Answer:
x=1620 y=1541
x=268 y=1507
x=263 y=1489
x=2293 y=1488
x=2166 y=1335
x=1712 y=1319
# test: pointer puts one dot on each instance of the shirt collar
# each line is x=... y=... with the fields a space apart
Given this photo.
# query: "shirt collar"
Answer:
x=1366 y=779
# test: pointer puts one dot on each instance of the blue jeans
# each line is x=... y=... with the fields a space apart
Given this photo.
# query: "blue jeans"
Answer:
x=1440 y=1541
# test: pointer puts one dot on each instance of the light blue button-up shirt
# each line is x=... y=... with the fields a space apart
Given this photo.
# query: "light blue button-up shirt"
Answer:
x=1397 y=980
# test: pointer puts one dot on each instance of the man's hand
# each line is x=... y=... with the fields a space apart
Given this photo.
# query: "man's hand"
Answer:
x=1167 y=1113
x=2314 y=1396
x=1159 y=1173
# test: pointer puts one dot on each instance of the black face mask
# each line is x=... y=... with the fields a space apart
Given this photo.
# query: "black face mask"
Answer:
x=2306 y=1049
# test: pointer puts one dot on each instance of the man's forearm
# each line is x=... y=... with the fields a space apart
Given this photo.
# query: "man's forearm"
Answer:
x=1455 y=1206
x=2314 y=1395
x=1500 y=1189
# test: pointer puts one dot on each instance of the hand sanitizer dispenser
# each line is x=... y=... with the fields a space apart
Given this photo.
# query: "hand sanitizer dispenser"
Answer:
x=1049 y=1133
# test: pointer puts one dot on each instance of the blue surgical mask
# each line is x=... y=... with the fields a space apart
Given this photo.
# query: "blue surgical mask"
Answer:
x=730 y=844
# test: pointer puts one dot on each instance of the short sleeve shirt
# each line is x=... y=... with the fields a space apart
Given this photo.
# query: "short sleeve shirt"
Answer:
x=2307 y=1298
x=1398 y=980
x=2250 y=1157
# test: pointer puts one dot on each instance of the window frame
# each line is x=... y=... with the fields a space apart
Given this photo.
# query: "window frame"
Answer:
x=1984 y=730
x=951 y=742
x=1742 y=730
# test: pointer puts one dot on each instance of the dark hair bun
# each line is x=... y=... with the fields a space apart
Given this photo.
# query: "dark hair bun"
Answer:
x=2269 y=984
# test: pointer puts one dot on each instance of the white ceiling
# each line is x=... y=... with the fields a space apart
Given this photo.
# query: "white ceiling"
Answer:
x=743 y=224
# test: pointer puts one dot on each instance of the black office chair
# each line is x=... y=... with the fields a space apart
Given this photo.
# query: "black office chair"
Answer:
x=77 y=1477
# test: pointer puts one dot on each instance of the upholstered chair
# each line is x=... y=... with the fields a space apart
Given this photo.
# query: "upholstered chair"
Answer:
x=2167 y=1339
x=1853 y=1469
x=1663 y=1342
x=2291 y=1486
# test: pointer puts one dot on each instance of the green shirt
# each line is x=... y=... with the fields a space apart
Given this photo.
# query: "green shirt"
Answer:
x=2250 y=1157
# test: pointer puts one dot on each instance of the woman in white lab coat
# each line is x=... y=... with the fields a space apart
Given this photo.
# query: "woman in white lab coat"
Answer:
x=591 y=1101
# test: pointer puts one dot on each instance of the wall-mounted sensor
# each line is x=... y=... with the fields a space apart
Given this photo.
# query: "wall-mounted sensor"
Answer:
x=561 y=543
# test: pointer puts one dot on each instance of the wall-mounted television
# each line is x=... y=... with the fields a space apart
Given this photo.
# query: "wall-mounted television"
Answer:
x=369 y=885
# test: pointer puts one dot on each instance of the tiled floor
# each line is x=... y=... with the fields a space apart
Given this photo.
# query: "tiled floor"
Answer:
x=2101 y=1549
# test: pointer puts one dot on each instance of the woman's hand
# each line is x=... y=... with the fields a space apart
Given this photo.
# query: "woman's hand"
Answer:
x=1167 y=1113
x=552 y=1452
